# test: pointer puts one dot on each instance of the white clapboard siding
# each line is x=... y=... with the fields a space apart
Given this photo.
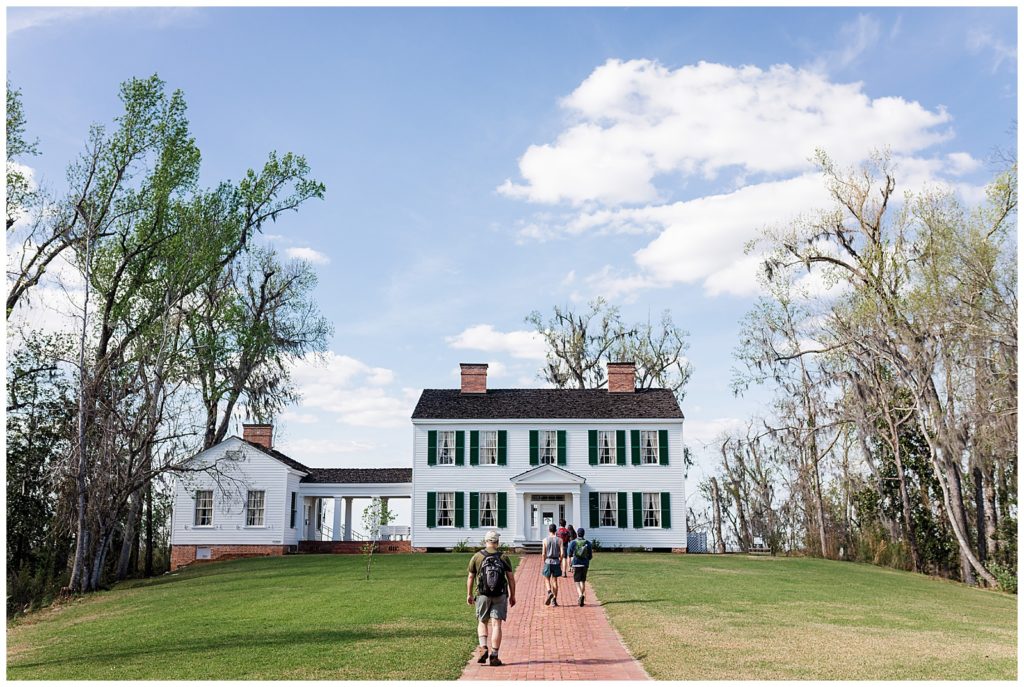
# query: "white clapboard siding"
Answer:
x=485 y=478
x=256 y=471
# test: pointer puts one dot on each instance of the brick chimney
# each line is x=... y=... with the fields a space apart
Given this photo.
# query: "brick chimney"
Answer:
x=474 y=378
x=621 y=378
x=259 y=434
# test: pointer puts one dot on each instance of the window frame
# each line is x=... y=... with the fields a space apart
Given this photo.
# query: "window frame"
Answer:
x=196 y=508
x=656 y=455
x=442 y=497
x=485 y=448
x=250 y=509
x=547 y=442
x=488 y=505
x=613 y=508
x=445 y=454
x=655 y=509
x=612 y=454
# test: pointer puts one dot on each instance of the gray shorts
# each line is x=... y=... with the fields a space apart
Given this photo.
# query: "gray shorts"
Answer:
x=491 y=607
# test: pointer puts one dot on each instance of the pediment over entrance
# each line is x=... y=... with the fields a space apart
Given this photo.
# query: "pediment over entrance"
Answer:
x=547 y=474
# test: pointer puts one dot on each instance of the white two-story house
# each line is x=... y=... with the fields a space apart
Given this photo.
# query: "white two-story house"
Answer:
x=517 y=460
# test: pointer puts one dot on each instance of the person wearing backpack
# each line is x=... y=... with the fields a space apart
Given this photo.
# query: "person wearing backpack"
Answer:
x=581 y=551
x=493 y=593
x=563 y=534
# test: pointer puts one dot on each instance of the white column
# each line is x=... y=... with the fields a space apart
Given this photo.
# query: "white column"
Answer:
x=336 y=527
x=527 y=534
x=384 y=504
x=348 y=518
x=577 y=509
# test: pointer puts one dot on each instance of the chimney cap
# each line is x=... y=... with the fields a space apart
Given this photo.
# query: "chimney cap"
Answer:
x=623 y=362
x=483 y=365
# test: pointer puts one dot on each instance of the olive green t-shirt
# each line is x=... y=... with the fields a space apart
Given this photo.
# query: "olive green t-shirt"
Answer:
x=478 y=559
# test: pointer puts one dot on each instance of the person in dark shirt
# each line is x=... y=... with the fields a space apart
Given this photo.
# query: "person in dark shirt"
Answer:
x=490 y=610
x=563 y=534
x=580 y=551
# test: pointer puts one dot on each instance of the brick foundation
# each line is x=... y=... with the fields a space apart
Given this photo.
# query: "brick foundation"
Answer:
x=682 y=550
x=353 y=546
x=185 y=554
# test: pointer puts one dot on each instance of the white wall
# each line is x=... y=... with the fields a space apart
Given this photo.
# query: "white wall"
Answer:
x=256 y=471
x=617 y=478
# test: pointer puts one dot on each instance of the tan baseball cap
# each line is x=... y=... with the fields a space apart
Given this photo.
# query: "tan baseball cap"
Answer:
x=492 y=535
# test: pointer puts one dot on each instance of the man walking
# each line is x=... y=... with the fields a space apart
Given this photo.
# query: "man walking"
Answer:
x=493 y=594
x=552 y=552
x=563 y=534
x=581 y=551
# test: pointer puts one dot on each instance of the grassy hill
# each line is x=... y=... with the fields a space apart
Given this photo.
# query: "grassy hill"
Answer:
x=686 y=617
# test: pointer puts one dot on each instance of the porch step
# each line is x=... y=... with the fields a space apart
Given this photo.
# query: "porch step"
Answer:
x=531 y=546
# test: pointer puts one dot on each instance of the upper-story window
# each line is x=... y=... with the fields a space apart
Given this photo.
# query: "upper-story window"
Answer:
x=488 y=448
x=445 y=509
x=446 y=448
x=548 y=447
x=652 y=509
x=609 y=502
x=649 y=446
x=488 y=509
x=606 y=447
x=254 y=509
x=204 y=508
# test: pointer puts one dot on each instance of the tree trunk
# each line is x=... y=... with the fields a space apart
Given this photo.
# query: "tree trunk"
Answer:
x=149 y=528
x=991 y=518
x=716 y=505
x=980 y=515
x=131 y=522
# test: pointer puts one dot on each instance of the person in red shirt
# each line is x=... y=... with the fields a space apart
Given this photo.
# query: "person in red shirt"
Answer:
x=563 y=534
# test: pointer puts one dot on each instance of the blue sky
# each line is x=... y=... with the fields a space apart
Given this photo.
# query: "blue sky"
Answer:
x=483 y=163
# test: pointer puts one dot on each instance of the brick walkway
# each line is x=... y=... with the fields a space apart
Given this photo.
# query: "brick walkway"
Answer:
x=566 y=643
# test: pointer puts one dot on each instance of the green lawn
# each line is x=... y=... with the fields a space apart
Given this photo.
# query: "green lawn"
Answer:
x=699 y=617
x=685 y=617
x=295 y=617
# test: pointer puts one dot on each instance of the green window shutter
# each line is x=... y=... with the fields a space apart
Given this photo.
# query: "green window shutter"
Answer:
x=459 y=509
x=460 y=448
x=561 y=447
x=663 y=446
x=622 y=508
x=592 y=438
x=634 y=444
x=292 y=520
x=666 y=510
x=432 y=448
x=431 y=508
x=474 y=447
x=620 y=447
x=502 y=447
x=595 y=511
x=638 y=510
x=502 y=509
x=534 y=458
x=474 y=509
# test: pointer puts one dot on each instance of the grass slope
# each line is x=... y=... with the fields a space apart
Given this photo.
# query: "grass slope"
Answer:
x=737 y=617
x=296 y=617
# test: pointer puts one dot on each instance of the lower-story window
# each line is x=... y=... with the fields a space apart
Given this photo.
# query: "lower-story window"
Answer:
x=254 y=509
x=609 y=502
x=488 y=509
x=445 y=509
x=652 y=509
x=204 y=508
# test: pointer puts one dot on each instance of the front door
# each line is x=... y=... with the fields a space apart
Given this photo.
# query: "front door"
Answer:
x=547 y=513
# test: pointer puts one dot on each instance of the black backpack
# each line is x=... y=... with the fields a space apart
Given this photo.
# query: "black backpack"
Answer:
x=491 y=581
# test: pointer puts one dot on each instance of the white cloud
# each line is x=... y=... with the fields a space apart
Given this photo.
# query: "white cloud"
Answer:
x=962 y=163
x=981 y=40
x=700 y=433
x=307 y=254
x=855 y=38
x=634 y=121
x=25 y=18
x=484 y=337
x=323 y=447
x=495 y=369
x=352 y=391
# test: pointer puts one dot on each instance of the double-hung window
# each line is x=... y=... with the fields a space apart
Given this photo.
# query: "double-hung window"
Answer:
x=548 y=447
x=446 y=448
x=254 y=509
x=204 y=508
x=649 y=446
x=609 y=502
x=446 y=509
x=488 y=448
x=488 y=509
x=606 y=447
x=652 y=509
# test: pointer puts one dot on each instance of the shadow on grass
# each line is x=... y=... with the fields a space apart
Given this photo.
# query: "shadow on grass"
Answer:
x=634 y=601
x=197 y=647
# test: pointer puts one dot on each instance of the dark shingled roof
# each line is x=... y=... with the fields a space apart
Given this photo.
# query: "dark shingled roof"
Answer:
x=339 y=475
x=359 y=475
x=545 y=404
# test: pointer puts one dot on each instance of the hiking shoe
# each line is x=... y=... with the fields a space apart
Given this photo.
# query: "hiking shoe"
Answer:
x=547 y=601
x=581 y=601
x=495 y=661
x=554 y=602
x=483 y=657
